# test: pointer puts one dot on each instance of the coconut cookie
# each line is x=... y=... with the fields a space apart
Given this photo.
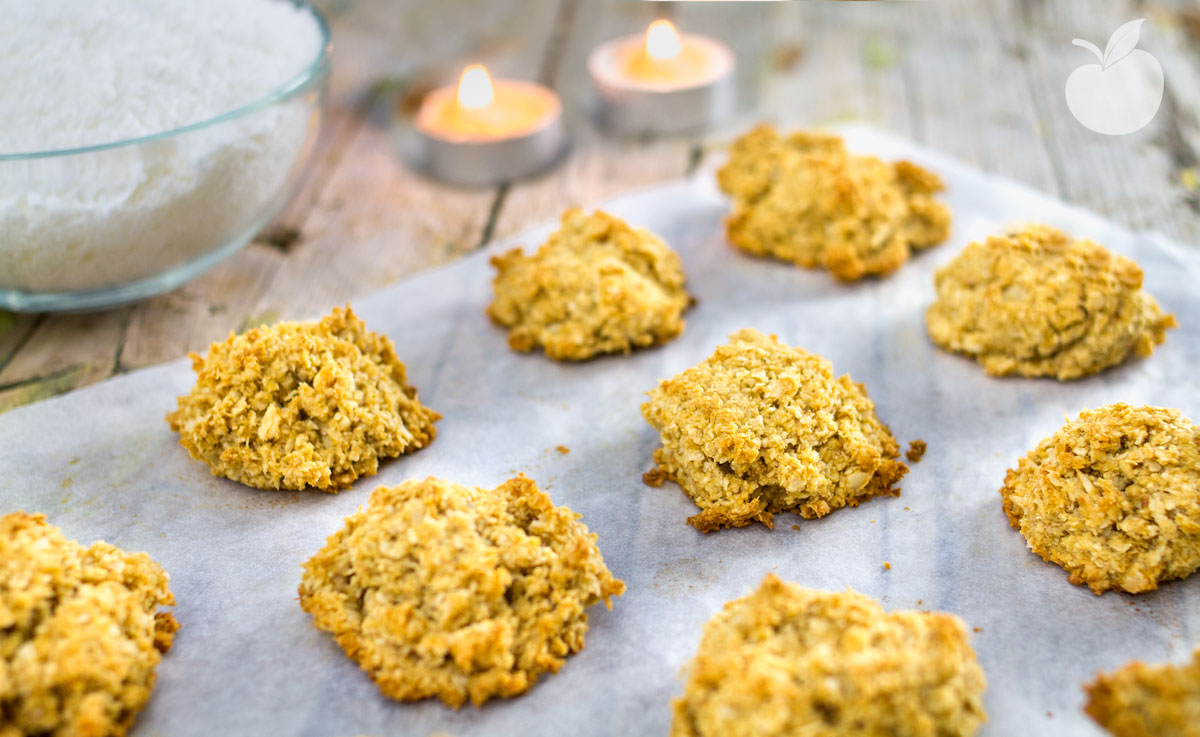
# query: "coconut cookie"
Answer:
x=596 y=286
x=787 y=660
x=80 y=632
x=1113 y=497
x=458 y=592
x=298 y=405
x=805 y=199
x=1037 y=302
x=1140 y=700
x=759 y=428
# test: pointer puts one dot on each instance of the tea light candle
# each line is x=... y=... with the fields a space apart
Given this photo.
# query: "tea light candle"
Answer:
x=482 y=131
x=662 y=81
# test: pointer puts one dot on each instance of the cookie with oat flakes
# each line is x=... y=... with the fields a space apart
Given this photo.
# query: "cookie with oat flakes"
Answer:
x=80 y=632
x=1113 y=497
x=804 y=198
x=298 y=405
x=1037 y=302
x=788 y=660
x=759 y=428
x=458 y=592
x=1140 y=700
x=596 y=286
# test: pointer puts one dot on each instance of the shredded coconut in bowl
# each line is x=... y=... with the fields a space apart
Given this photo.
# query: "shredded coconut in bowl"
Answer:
x=87 y=73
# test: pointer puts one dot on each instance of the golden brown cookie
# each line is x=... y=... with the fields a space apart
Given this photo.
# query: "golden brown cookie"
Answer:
x=80 y=632
x=787 y=660
x=1140 y=700
x=1036 y=302
x=805 y=199
x=458 y=592
x=296 y=405
x=759 y=428
x=1113 y=497
x=596 y=286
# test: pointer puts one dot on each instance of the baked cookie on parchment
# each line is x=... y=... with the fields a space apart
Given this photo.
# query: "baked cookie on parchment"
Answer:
x=458 y=592
x=788 y=660
x=759 y=428
x=80 y=632
x=804 y=198
x=1140 y=700
x=1113 y=497
x=1036 y=302
x=596 y=286
x=296 y=405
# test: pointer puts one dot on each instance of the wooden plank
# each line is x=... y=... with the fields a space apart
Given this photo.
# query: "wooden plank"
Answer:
x=377 y=220
x=65 y=352
x=998 y=105
x=973 y=100
x=916 y=69
x=1134 y=179
x=599 y=165
x=207 y=309
x=827 y=81
x=15 y=330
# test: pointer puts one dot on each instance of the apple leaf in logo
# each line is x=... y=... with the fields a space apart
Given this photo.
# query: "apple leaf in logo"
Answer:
x=1122 y=42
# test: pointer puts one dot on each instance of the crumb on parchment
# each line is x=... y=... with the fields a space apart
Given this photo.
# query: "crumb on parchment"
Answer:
x=916 y=451
x=654 y=477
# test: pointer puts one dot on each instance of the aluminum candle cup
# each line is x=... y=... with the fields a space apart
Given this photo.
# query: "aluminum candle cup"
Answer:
x=483 y=132
x=662 y=82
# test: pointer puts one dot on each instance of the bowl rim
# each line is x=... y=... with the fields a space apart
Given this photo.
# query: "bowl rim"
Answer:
x=313 y=72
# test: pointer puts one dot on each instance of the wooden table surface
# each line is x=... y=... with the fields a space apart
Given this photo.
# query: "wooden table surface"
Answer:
x=981 y=80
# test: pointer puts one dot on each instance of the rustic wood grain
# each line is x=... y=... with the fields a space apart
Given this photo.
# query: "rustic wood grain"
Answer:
x=63 y=353
x=1133 y=179
x=599 y=165
x=980 y=79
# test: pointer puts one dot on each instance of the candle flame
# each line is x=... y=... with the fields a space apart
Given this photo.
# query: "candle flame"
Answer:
x=662 y=42
x=475 y=88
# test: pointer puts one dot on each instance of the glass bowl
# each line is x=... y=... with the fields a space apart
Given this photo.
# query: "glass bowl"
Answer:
x=147 y=214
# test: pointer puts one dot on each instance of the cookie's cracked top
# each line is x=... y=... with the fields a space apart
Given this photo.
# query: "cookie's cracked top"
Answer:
x=1140 y=700
x=596 y=286
x=1037 y=302
x=759 y=427
x=803 y=198
x=787 y=660
x=80 y=632
x=298 y=405
x=1113 y=497
x=458 y=592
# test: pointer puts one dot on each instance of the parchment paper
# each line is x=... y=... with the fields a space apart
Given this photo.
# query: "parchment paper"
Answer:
x=101 y=463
